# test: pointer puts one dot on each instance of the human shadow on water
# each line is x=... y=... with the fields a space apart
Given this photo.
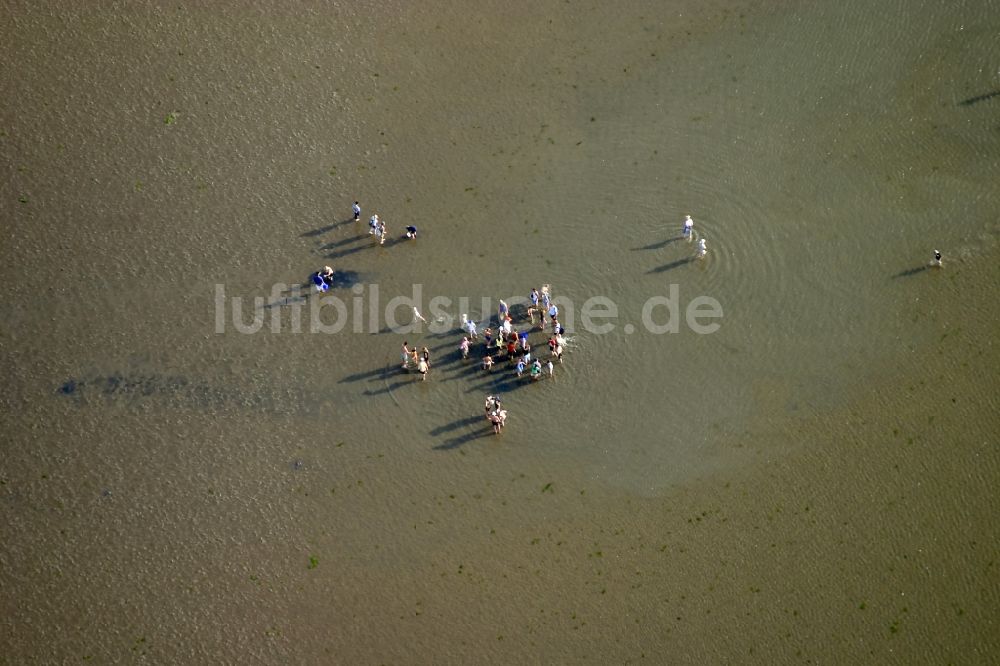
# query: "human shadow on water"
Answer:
x=500 y=383
x=322 y=230
x=357 y=248
x=368 y=374
x=449 y=358
x=399 y=328
x=455 y=425
x=343 y=253
x=910 y=271
x=444 y=345
x=405 y=380
x=473 y=372
x=341 y=243
x=342 y=279
x=658 y=244
x=979 y=98
x=461 y=371
x=456 y=442
x=391 y=241
x=672 y=265
x=455 y=333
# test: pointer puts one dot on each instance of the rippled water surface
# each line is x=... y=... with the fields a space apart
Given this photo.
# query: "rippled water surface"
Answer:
x=815 y=479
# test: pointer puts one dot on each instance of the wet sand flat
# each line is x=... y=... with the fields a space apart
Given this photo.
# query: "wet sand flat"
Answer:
x=815 y=481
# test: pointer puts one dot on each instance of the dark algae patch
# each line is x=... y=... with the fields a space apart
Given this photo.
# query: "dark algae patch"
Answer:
x=133 y=389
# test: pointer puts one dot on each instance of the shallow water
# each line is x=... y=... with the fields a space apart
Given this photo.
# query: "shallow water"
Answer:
x=814 y=479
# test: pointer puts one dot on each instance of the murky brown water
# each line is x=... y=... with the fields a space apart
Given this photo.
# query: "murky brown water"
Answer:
x=816 y=481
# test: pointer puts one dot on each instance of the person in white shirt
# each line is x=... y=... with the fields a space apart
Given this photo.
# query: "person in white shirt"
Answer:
x=356 y=209
x=498 y=419
x=560 y=343
x=688 y=227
